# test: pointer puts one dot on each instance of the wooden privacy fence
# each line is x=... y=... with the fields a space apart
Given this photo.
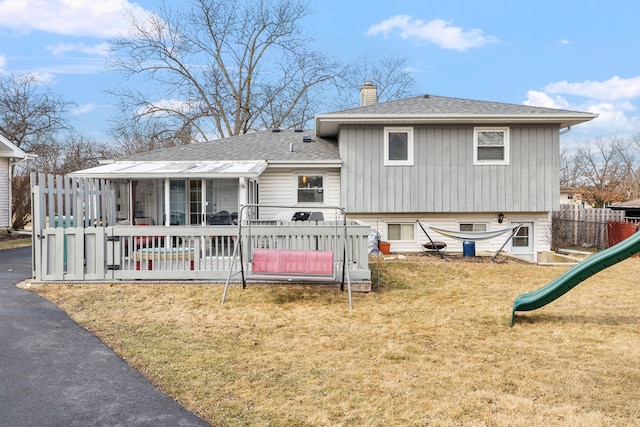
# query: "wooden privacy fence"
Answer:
x=75 y=239
x=577 y=226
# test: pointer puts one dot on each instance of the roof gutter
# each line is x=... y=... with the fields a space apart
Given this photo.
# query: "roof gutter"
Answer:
x=315 y=164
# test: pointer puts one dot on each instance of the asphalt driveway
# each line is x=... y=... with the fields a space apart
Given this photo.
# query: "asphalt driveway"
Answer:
x=55 y=373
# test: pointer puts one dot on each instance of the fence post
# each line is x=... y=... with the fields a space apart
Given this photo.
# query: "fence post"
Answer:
x=37 y=217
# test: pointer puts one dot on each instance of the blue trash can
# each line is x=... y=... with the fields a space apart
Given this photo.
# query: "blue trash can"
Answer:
x=468 y=248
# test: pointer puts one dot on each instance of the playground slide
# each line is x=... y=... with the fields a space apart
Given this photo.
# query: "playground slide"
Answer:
x=576 y=274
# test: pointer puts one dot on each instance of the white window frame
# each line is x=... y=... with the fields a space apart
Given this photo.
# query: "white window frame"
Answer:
x=506 y=140
x=409 y=160
x=487 y=224
x=401 y=224
x=323 y=189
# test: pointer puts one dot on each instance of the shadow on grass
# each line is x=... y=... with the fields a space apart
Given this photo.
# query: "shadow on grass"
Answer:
x=538 y=319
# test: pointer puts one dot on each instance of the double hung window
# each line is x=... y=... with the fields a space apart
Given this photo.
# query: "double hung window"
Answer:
x=491 y=146
x=310 y=188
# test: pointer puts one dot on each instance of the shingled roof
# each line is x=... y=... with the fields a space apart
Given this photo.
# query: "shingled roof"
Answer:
x=278 y=146
x=431 y=109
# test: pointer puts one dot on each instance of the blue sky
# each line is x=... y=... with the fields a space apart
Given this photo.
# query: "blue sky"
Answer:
x=576 y=55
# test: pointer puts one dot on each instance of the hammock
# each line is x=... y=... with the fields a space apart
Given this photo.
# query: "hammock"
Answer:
x=472 y=235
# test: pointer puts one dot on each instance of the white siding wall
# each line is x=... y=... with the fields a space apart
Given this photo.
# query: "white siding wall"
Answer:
x=541 y=225
x=278 y=187
x=5 y=181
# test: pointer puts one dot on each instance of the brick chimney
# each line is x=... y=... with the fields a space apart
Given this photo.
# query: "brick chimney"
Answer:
x=368 y=94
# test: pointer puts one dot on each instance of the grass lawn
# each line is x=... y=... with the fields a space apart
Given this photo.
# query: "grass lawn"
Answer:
x=431 y=347
x=11 y=241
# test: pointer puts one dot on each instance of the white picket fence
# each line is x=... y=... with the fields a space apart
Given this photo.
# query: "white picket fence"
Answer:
x=76 y=239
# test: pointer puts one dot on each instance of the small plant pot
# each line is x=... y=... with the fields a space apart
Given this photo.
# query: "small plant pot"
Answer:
x=385 y=247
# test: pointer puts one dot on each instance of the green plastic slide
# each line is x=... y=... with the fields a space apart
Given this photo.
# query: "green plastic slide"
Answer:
x=576 y=274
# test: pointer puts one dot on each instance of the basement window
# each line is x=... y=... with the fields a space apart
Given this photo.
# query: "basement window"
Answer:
x=406 y=232
x=473 y=226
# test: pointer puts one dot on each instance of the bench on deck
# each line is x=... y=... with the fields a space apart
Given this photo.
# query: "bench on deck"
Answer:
x=275 y=264
x=163 y=254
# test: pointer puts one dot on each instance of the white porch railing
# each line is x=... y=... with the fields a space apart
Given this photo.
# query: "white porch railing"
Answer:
x=75 y=239
x=184 y=253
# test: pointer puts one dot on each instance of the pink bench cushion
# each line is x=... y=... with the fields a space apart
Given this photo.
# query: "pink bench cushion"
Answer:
x=265 y=261
x=276 y=261
x=320 y=262
x=292 y=262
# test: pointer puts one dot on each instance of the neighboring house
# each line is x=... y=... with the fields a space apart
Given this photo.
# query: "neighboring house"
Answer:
x=571 y=196
x=9 y=155
x=456 y=163
x=631 y=209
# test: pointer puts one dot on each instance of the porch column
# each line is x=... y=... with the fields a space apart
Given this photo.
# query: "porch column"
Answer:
x=242 y=196
x=167 y=202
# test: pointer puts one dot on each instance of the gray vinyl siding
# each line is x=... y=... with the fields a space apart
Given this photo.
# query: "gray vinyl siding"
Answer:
x=5 y=221
x=443 y=177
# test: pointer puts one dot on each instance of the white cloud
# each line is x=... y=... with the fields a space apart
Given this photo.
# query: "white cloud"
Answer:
x=614 y=100
x=83 y=109
x=104 y=18
x=437 y=31
x=564 y=42
x=41 y=77
x=613 y=89
x=541 y=99
x=3 y=63
x=101 y=49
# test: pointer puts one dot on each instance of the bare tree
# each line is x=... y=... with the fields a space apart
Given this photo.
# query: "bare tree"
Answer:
x=225 y=67
x=569 y=169
x=601 y=170
x=78 y=152
x=134 y=134
x=630 y=163
x=21 y=205
x=391 y=75
x=30 y=113
x=31 y=117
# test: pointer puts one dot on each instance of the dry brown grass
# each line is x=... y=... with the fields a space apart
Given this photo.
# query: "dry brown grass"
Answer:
x=431 y=347
x=11 y=241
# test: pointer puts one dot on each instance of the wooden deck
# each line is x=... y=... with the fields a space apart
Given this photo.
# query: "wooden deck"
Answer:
x=75 y=239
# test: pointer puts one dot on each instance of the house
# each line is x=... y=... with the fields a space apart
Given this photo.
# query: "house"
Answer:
x=631 y=209
x=206 y=183
x=571 y=196
x=459 y=164
x=9 y=155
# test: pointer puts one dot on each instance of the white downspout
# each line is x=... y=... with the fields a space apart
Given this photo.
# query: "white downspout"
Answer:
x=567 y=130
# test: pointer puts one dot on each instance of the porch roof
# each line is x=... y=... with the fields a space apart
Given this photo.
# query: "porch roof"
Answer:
x=175 y=169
